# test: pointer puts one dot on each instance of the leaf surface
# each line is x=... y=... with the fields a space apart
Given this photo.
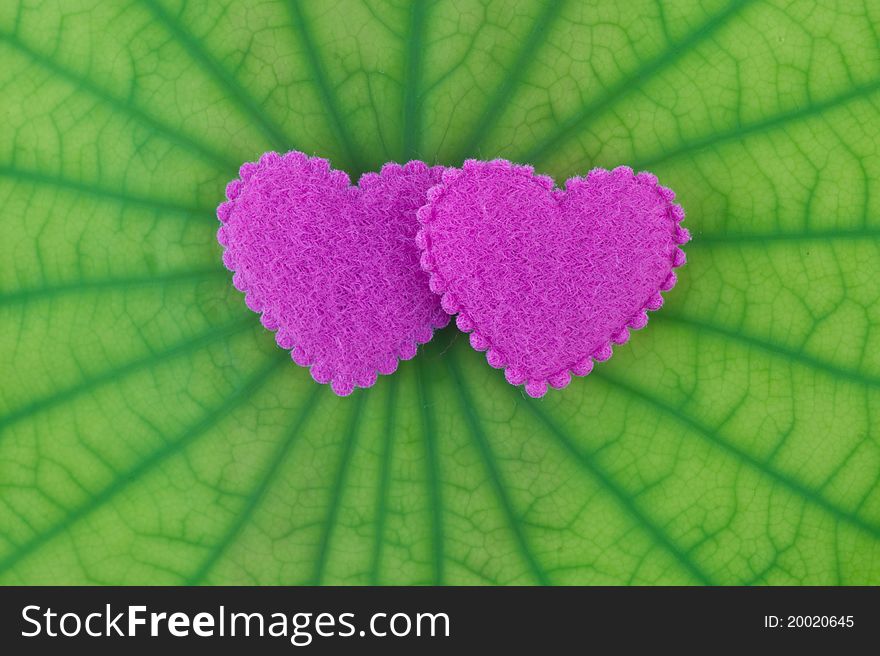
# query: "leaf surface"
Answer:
x=151 y=431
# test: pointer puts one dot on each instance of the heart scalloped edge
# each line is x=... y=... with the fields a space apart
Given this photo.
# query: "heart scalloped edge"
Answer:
x=584 y=364
x=319 y=371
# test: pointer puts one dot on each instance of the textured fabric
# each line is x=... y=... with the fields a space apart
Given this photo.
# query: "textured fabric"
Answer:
x=332 y=268
x=545 y=279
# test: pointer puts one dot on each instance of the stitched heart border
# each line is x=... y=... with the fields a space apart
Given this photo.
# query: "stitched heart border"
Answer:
x=407 y=345
x=583 y=364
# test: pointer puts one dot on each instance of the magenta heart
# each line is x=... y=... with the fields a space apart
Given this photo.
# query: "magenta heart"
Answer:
x=545 y=279
x=333 y=268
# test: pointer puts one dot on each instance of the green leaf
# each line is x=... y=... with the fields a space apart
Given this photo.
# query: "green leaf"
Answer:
x=151 y=431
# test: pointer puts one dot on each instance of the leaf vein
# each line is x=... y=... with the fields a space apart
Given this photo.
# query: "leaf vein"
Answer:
x=336 y=490
x=620 y=495
x=320 y=79
x=495 y=477
x=776 y=349
x=115 y=374
x=778 y=477
x=634 y=81
x=235 y=399
x=87 y=85
x=433 y=474
x=275 y=464
x=520 y=65
x=238 y=93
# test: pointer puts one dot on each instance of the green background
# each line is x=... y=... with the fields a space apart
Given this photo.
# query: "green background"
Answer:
x=151 y=431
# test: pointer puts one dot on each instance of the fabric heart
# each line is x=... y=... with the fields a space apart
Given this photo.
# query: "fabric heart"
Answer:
x=545 y=279
x=332 y=268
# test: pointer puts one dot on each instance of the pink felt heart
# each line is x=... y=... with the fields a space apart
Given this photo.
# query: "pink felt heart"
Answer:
x=545 y=279
x=332 y=268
